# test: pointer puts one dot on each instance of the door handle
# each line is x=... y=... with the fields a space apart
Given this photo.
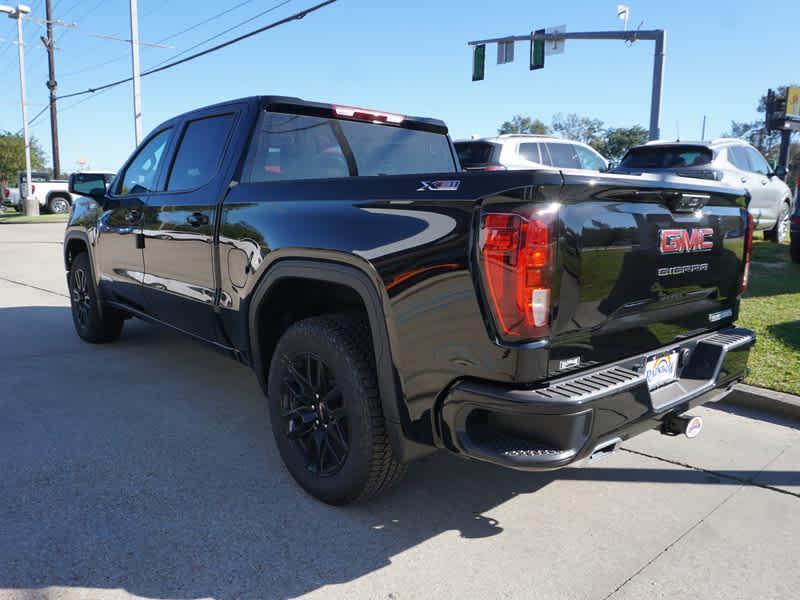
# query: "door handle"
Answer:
x=743 y=180
x=197 y=219
x=764 y=181
x=133 y=216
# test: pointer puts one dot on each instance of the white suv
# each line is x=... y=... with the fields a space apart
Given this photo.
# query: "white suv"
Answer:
x=728 y=160
x=516 y=152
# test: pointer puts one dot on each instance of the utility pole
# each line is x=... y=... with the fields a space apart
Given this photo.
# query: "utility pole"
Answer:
x=52 y=86
x=659 y=36
x=29 y=202
x=137 y=95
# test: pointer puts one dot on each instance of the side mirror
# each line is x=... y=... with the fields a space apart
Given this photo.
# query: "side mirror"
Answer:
x=91 y=185
x=611 y=165
x=780 y=171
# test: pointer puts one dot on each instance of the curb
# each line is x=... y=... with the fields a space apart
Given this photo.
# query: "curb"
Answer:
x=776 y=403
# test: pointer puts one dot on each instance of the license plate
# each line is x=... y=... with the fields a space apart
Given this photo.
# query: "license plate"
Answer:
x=661 y=369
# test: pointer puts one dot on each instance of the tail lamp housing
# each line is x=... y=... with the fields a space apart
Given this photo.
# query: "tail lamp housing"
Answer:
x=516 y=253
x=748 y=253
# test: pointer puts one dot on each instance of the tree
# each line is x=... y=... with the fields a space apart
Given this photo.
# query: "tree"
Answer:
x=616 y=141
x=12 y=155
x=581 y=129
x=520 y=124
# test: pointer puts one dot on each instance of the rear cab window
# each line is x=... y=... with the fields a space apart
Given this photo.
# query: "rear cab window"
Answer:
x=290 y=146
x=667 y=157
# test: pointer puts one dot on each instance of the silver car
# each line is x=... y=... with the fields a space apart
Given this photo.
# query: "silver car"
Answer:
x=516 y=152
x=731 y=161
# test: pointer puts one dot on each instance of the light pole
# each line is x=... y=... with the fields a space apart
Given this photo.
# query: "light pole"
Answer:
x=31 y=205
x=137 y=94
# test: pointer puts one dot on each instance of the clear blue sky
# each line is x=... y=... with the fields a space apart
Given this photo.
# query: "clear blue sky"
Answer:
x=406 y=56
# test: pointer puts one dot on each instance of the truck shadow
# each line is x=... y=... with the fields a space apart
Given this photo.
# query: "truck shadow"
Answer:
x=149 y=465
x=788 y=332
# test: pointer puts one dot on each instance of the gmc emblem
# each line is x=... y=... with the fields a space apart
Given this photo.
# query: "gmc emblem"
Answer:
x=682 y=241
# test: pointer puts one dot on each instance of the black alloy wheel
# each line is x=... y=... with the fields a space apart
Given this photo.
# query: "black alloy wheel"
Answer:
x=92 y=323
x=313 y=413
x=326 y=412
x=82 y=303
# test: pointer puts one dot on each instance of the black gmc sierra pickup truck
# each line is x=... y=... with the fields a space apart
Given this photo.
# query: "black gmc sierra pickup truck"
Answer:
x=391 y=303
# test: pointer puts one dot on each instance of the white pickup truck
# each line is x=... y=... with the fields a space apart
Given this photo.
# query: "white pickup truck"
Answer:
x=52 y=194
x=11 y=198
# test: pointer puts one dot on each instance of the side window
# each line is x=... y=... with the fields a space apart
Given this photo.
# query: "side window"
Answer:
x=758 y=164
x=529 y=152
x=200 y=151
x=589 y=159
x=287 y=147
x=140 y=176
x=738 y=158
x=563 y=156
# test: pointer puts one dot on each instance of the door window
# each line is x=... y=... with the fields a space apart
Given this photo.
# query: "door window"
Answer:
x=140 y=176
x=758 y=164
x=738 y=158
x=199 y=155
x=563 y=156
x=589 y=159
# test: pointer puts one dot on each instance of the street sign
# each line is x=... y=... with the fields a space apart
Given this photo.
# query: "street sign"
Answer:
x=793 y=103
x=556 y=47
x=505 y=52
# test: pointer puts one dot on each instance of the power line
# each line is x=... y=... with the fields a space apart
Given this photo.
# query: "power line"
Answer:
x=208 y=20
x=99 y=90
x=295 y=17
x=126 y=56
x=221 y=33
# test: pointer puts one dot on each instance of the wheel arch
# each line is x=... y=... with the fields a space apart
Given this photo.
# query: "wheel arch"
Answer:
x=373 y=301
x=76 y=242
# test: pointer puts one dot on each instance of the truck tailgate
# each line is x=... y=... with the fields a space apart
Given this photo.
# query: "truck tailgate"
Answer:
x=643 y=265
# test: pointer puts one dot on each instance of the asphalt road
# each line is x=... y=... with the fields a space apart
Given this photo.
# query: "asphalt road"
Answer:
x=146 y=468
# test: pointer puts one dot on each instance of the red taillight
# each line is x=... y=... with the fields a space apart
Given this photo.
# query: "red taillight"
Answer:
x=517 y=255
x=6 y=193
x=748 y=252
x=365 y=114
x=33 y=188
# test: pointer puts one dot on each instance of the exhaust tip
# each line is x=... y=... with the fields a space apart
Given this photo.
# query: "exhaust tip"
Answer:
x=683 y=425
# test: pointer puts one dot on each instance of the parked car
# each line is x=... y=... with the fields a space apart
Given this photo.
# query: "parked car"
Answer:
x=11 y=198
x=391 y=304
x=516 y=152
x=727 y=160
x=53 y=194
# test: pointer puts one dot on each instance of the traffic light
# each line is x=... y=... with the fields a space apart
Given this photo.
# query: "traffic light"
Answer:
x=479 y=62
x=537 y=49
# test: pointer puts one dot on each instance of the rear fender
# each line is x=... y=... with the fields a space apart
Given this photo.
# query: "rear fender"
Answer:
x=371 y=291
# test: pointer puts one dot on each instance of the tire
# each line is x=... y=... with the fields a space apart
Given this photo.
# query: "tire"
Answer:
x=58 y=205
x=91 y=323
x=327 y=420
x=780 y=233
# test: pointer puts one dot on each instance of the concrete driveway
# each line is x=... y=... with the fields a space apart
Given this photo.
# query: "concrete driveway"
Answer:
x=147 y=468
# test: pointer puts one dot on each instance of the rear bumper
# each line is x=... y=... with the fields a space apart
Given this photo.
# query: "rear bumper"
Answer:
x=574 y=416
